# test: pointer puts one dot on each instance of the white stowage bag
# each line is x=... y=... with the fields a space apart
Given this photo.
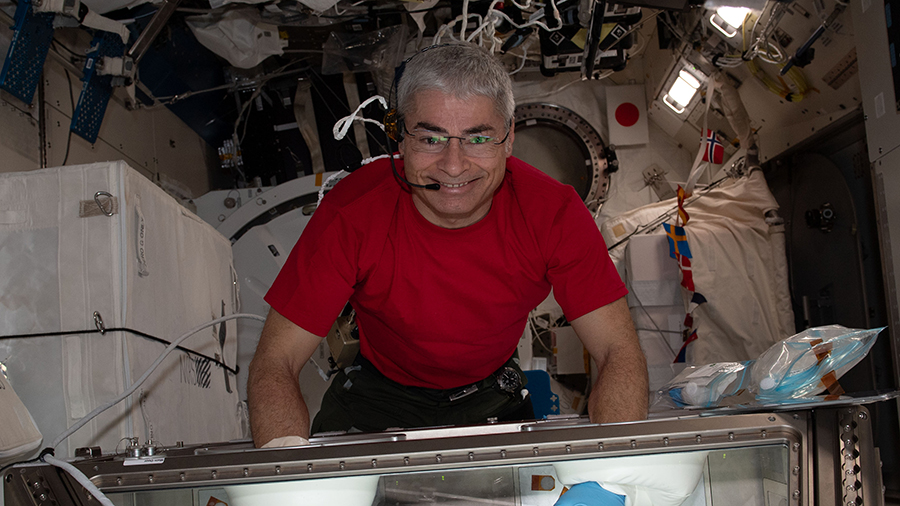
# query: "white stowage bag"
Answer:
x=739 y=265
x=19 y=437
x=153 y=266
x=240 y=36
x=645 y=480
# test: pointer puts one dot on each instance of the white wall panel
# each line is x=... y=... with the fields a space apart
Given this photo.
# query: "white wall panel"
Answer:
x=81 y=151
x=153 y=141
x=19 y=130
x=19 y=135
x=179 y=153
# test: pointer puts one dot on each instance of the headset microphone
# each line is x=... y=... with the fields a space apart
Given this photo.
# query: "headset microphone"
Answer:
x=432 y=186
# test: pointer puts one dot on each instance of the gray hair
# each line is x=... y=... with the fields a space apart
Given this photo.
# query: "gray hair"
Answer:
x=462 y=70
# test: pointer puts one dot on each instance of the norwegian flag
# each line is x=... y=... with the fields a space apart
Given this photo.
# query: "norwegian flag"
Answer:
x=715 y=150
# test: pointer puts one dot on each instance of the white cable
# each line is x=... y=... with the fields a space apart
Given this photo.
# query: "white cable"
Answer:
x=555 y=14
x=341 y=174
x=338 y=174
x=80 y=478
x=534 y=22
x=465 y=19
x=343 y=125
x=441 y=31
x=535 y=335
x=488 y=20
x=492 y=18
x=134 y=386
x=522 y=65
x=379 y=157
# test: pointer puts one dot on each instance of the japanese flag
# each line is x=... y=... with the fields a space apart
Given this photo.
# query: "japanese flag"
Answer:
x=626 y=114
x=715 y=150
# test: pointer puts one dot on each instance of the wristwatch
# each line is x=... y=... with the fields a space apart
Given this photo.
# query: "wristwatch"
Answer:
x=508 y=380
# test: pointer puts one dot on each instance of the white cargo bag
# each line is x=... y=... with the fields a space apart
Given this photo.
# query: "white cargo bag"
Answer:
x=20 y=436
x=739 y=265
x=153 y=267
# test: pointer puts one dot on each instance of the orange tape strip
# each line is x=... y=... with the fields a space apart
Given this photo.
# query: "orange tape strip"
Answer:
x=829 y=381
x=831 y=384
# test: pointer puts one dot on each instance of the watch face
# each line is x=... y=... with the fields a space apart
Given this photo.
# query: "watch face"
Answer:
x=508 y=380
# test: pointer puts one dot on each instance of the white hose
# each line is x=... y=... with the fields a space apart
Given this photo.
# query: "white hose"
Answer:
x=80 y=478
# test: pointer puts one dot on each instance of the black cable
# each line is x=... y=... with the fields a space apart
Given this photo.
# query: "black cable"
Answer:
x=659 y=220
x=131 y=331
x=72 y=100
x=55 y=43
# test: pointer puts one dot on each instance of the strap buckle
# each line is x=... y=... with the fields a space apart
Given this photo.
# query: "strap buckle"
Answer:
x=469 y=390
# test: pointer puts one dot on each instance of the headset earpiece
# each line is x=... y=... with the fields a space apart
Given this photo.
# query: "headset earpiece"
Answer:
x=392 y=125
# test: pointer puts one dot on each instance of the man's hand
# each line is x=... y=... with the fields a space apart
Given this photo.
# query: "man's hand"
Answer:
x=620 y=393
x=280 y=442
x=277 y=408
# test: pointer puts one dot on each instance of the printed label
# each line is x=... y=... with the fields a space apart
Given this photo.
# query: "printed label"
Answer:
x=714 y=369
x=140 y=461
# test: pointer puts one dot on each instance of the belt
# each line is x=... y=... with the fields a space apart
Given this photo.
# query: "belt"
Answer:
x=506 y=379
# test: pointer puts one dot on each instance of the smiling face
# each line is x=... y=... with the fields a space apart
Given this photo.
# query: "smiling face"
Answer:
x=467 y=183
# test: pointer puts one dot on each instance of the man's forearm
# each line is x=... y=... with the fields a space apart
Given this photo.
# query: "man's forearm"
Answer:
x=620 y=393
x=276 y=406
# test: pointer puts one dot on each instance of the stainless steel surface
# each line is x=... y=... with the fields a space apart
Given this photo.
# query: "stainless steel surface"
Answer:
x=794 y=458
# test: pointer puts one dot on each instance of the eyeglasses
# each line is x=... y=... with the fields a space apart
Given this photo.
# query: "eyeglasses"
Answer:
x=479 y=146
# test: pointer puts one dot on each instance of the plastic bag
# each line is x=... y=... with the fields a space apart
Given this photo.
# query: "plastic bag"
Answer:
x=808 y=363
x=364 y=52
x=703 y=386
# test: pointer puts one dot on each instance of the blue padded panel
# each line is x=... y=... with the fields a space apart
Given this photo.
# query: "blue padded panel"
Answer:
x=97 y=89
x=25 y=59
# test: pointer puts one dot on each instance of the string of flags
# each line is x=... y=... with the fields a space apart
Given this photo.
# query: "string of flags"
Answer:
x=680 y=250
x=712 y=152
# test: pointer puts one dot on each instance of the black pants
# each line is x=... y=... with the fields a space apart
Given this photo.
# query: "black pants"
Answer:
x=362 y=398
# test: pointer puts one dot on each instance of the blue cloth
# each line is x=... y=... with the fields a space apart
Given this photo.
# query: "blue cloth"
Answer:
x=590 y=494
x=544 y=401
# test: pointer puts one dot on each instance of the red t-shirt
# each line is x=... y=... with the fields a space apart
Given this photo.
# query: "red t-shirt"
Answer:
x=441 y=308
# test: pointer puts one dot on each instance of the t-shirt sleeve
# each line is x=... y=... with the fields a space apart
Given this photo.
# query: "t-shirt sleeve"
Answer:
x=583 y=276
x=318 y=277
